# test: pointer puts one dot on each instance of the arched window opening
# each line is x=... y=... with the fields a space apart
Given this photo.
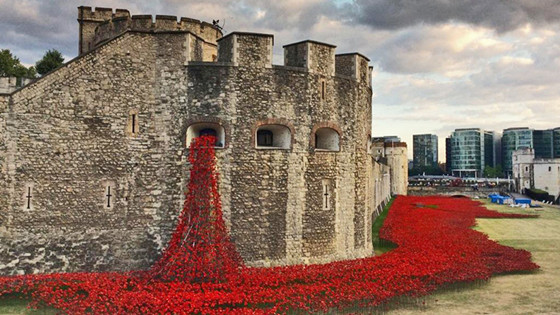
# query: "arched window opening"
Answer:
x=327 y=139
x=264 y=138
x=273 y=137
x=206 y=129
x=208 y=132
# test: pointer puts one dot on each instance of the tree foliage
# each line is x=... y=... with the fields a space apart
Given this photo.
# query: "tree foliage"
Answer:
x=11 y=67
x=491 y=172
x=50 y=61
x=427 y=170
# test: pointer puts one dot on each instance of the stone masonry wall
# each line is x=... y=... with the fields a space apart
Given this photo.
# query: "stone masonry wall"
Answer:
x=276 y=195
x=64 y=141
x=65 y=137
x=397 y=160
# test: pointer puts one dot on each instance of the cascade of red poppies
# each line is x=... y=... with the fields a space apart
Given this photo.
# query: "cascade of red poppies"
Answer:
x=200 y=249
x=201 y=273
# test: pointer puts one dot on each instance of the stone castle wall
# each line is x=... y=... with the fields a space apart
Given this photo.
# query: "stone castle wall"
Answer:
x=65 y=140
x=10 y=84
x=397 y=160
x=99 y=25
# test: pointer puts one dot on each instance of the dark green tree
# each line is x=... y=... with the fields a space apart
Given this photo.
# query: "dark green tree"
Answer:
x=428 y=170
x=50 y=61
x=491 y=172
x=11 y=67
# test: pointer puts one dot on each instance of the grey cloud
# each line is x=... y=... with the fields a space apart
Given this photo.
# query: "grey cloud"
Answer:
x=29 y=28
x=501 y=15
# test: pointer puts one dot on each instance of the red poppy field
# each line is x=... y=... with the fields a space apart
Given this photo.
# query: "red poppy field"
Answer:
x=201 y=272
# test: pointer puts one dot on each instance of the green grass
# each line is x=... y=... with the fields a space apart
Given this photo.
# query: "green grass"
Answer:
x=16 y=304
x=382 y=246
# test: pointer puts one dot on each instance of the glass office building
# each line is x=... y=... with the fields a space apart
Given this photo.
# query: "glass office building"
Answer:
x=471 y=150
x=514 y=139
x=543 y=143
x=556 y=142
x=425 y=150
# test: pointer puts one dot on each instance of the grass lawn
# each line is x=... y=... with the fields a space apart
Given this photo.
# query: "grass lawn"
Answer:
x=381 y=246
x=16 y=305
x=532 y=293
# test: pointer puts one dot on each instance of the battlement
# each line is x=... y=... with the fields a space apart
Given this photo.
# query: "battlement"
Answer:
x=314 y=56
x=89 y=18
x=102 y=24
x=354 y=65
x=100 y=14
x=255 y=50
x=246 y=49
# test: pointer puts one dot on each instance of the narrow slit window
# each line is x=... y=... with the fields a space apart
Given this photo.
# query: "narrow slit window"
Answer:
x=109 y=196
x=326 y=195
x=28 y=198
x=132 y=124
x=322 y=89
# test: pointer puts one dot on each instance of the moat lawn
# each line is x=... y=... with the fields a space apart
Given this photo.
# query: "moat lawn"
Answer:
x=529 y=293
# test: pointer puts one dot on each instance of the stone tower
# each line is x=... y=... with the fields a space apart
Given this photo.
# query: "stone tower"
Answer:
x=94 y=154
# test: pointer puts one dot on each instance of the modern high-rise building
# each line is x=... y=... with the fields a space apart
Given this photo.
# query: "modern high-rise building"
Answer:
x=556 y=142
x=448 y=155
x=514 y=139
x=425 y=150
x=471 y=150
x=545 y=143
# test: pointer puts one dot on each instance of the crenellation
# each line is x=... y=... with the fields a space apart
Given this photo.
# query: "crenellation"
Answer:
x=102 y=25
x=122 y=13
x=141 y=22
x=166 y=23
x=346 y=65
x=246 y=49
x=354 y=65
x=89 y=19
x=226 y=49
x=315 y=57
x=296 y=55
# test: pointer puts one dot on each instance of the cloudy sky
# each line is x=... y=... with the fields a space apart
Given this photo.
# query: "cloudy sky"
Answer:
x=439 y=64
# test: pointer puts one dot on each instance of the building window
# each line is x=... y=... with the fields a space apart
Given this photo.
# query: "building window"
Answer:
x=327 y=139
x=109 y=197
x=273 y=137
x=206 y=129
x=326 y=195
x=208 y=132
x=323 y=89
x=264 y=138
x=526 y=168
x=28 y=197
x=550 y=168
x=132 y=125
